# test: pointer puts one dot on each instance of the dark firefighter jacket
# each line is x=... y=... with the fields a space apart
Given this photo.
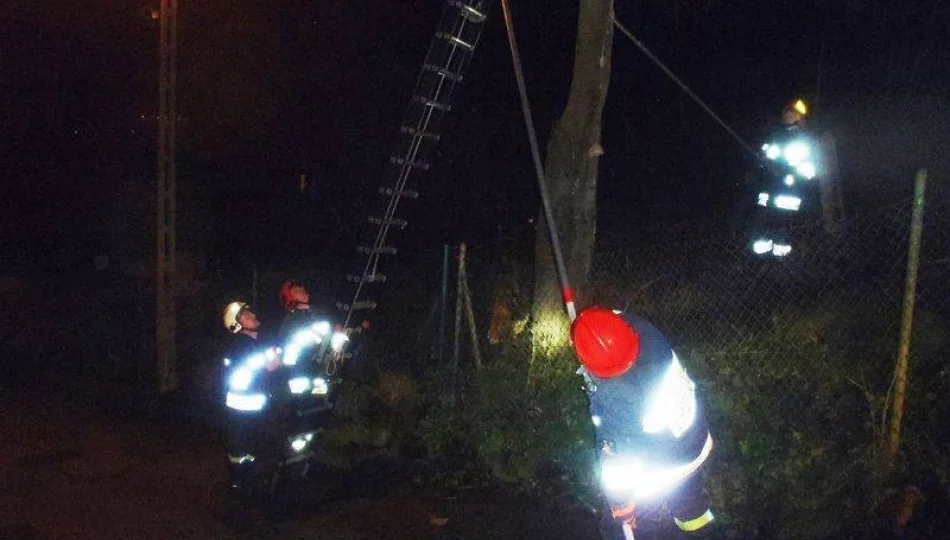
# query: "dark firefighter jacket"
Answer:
x=618 y=406
x=269 y=383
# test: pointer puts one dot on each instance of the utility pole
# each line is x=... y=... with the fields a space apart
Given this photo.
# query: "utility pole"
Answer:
x=165 y=267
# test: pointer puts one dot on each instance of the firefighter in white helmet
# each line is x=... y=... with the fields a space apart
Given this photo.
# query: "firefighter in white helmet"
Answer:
x=250 y=364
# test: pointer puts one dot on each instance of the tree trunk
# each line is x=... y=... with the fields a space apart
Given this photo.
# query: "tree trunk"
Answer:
x=574 y=152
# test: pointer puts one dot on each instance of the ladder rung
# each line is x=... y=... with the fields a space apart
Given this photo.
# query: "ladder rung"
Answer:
x=401 y=223
x=454 y=77
x=385 y=250
x=470 y=13
x=432 y=103
x=404 y=193
x=400 y=161
x=369 y=278
x=423 y=134
x=456 y=40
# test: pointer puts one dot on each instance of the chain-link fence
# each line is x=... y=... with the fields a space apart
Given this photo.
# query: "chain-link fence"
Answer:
x=711 y=289
x=794 y=356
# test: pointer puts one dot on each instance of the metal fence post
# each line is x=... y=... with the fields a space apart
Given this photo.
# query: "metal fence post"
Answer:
x=469 y=312
x=443 y=301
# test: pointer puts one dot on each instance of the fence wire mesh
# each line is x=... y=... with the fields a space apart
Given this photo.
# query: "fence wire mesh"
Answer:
x=795 y=356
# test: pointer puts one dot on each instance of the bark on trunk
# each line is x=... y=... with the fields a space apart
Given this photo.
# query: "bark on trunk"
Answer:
x=573 y=155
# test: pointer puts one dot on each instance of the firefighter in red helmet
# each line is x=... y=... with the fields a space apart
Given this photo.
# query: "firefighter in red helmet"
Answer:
x=312 y=349
x=652 y=435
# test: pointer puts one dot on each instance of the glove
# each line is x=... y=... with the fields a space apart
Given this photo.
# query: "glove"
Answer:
x=625 y=513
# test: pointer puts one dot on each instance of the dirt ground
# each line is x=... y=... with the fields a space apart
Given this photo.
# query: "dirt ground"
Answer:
x=74 y=468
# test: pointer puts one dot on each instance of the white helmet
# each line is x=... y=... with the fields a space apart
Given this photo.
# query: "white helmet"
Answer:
x=231 y=314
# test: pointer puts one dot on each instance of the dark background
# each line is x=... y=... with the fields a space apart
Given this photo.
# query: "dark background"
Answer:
x=272 y=90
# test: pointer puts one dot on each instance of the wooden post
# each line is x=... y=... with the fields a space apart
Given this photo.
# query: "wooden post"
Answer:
x=473 y=334
x=458 y=320
x=910 y=293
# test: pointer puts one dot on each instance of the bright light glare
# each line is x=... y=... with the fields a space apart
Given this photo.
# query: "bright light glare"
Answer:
x=630 y=477
x=763 y=199
x=256 y=361
x=246 y=402
x=673 y=405
x=241 y=379
x=789 y=180
x=618 y=475
x=320 y=386
x=338 y=340
x=596 y=420
x=772 y=151
x=762 y=246
x=788 y=202
x=796 y=153
x=321 y=327
x=807 y=170
x=299 y=385
x=298 y=444
x=781 y=250
x=291 y=355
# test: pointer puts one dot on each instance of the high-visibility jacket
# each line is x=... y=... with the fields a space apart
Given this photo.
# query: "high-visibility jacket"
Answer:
x=248 y=385
x=650 y=426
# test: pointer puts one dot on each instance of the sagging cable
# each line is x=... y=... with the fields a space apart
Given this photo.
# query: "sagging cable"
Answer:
x=684 y=88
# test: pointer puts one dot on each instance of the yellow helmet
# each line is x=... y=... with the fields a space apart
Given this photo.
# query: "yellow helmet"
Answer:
x=231 y=314
x=798 y=106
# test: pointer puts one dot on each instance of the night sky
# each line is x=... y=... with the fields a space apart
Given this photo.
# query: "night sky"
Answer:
x=273 y=89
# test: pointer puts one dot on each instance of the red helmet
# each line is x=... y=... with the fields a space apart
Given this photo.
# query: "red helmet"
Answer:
x=287 y=299
x=605 y=343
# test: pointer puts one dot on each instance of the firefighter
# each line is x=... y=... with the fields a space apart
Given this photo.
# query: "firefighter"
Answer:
x=311 y=355
x=786 y=178
x=251 y=380
x=295 y=299
x=303 y=328
x=651 y=432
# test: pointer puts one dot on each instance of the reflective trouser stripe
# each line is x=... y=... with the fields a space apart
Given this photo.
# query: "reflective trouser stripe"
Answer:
x=240 y=459
x=696 y=523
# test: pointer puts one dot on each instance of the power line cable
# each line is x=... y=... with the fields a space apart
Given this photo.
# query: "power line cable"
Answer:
x=669 y=73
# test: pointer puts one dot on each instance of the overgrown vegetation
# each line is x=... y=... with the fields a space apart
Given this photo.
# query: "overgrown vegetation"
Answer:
x=794 y=367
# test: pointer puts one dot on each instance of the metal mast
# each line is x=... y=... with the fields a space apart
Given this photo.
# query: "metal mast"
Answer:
x=165 y=267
